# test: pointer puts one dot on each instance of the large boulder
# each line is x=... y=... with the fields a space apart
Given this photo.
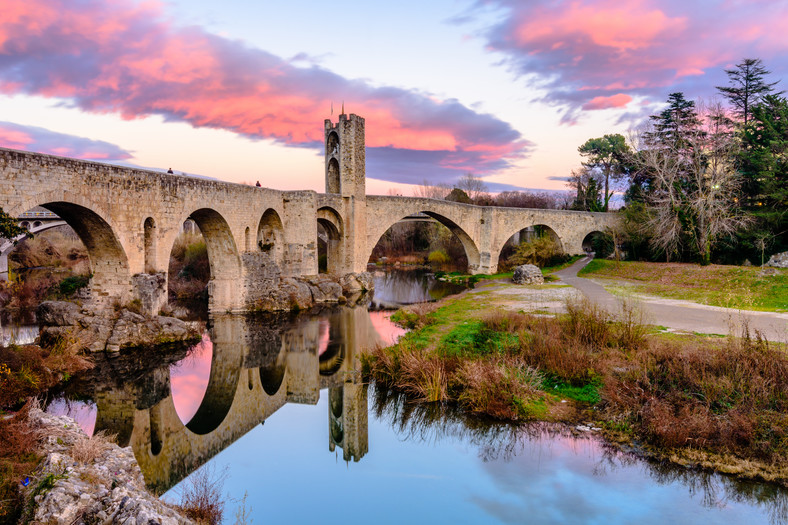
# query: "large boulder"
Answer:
x=528 y=274
x=59 y=313
x=298 y=293
x=324 y=289
x=110 y=331
x=353 y=283
x=778 y=260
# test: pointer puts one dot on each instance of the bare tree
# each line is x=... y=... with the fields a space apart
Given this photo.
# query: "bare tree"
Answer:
x=431 y=191
x=473 y=186
x=586 y=183
x=695 y=186
x=526 y=199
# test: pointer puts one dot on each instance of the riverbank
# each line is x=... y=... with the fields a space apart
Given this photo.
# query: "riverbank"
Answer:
x=716 y=402
x=80 y=479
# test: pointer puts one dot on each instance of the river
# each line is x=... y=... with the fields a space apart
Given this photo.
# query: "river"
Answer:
x=275 y=405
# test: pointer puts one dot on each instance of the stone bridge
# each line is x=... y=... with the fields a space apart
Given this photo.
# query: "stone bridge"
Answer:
x=129 y=219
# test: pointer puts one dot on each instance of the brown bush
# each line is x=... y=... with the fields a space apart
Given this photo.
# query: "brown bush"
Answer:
x=494 y=388
x=587 y=323
x=509 y=322
x=547 y=347
x=19 y=440
x=201 y=496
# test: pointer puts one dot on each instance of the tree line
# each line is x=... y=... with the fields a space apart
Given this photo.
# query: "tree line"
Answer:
x=702 y=181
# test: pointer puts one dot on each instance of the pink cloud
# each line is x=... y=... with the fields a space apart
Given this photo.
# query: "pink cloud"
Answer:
x=14 y=138
x=587 y=52
x=614 y=101
x=31 y=138
x=131 y=59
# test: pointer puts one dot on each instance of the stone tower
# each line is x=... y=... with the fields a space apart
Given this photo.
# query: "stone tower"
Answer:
x=345 y=177
x=346 y=157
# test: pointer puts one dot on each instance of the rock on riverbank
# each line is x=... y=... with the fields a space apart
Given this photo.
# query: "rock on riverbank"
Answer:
x=528 y=274
x=124 y=329
x=89 y=480
x=301 y=293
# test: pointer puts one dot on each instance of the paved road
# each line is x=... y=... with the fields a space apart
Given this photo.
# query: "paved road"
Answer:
x=683 y=315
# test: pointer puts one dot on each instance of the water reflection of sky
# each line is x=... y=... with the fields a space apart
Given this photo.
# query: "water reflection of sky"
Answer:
x=189 y=379
x=83 y=412
x=291 y=477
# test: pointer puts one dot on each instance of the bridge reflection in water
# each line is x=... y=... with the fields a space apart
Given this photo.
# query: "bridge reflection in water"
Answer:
x=258 y=364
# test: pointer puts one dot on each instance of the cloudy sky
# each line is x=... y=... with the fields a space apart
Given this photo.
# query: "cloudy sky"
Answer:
x=238 y=90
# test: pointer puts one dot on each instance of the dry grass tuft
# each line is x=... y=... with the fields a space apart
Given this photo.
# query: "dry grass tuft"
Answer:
x=86 y=449
x=425 y=378
x=509 y=322
x=587 y=323
x=497 y=388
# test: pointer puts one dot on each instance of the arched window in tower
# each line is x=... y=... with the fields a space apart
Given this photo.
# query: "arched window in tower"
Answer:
x=332 y=146
x=332 y=177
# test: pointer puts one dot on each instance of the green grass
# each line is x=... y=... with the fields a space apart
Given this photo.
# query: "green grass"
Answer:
x=716 y=285
x=474 y=339
x=531 y=409
x=587 y=393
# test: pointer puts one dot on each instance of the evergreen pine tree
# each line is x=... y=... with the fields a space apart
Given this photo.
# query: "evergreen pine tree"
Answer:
x=747 y=86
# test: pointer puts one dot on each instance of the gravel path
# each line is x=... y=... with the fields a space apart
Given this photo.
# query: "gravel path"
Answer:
x=683 y=315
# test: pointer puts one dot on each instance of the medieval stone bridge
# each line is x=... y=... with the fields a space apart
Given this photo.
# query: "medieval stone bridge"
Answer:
x=128 y=220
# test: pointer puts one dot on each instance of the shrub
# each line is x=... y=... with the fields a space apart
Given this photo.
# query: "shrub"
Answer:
x=70 y=285
x=201 y=496
x=542 y=251
x=438 y=258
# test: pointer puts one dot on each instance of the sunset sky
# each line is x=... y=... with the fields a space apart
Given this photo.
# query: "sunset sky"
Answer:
x=504 y=89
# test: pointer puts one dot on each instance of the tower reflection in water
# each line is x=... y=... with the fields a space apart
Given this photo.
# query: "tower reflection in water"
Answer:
x=257 y=365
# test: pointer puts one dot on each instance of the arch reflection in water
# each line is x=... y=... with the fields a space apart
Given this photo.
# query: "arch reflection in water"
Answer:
x=257 y=365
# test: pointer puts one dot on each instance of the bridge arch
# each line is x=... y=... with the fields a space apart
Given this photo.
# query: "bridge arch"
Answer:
x=377 y=229
x=600 y=242
x=223 y=258
x=332 y=224
x=537 y=227
x=109 y=264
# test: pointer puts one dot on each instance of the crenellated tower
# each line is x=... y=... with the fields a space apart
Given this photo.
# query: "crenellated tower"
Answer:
x=346 y=156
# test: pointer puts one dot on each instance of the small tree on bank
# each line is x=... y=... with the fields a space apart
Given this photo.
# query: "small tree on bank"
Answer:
x=608 y=155
x=9 y=227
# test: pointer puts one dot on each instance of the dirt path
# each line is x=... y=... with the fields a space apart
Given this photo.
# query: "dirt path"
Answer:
x=683 y=315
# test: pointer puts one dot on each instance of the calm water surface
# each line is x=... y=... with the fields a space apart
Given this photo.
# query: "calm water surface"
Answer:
x=276 y=404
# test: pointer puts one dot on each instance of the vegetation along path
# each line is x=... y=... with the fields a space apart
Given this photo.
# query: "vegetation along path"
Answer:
x=683 y=315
